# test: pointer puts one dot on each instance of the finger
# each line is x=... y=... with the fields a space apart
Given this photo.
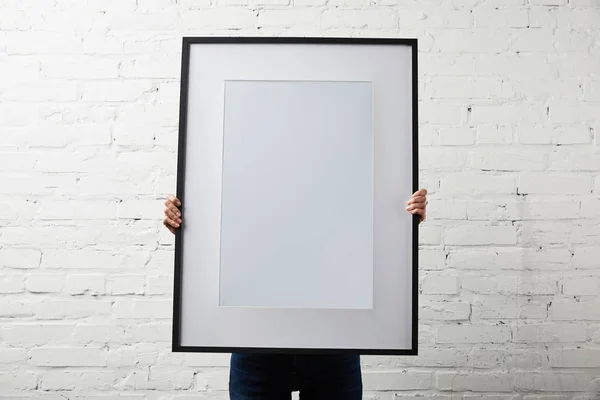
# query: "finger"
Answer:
x=416 y=205
x=417 y=199
x=418 y=196
x=421 y=192
x=174 y=200
x=172 y=223
x=173 y=208
x=415 y=211
x=172 y=216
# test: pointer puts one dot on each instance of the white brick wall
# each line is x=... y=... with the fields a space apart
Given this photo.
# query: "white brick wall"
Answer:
x=510 y=255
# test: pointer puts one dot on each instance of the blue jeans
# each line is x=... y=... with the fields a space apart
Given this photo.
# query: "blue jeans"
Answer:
x=276 y=376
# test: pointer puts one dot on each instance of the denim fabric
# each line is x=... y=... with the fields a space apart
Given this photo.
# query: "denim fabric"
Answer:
x=275 y=376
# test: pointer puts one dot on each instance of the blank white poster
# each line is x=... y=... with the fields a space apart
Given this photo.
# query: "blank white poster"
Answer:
x=297 y=195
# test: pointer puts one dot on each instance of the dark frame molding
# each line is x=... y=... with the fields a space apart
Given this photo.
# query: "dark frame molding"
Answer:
x=185 y=59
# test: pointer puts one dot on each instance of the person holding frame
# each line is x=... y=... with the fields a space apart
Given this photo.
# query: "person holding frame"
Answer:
x=276 y=376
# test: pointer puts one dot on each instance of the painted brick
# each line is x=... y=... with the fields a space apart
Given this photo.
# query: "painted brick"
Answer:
x=67 y=357
x=481 y=235
x=499 y=382
x=508 y=135
x=473 y=334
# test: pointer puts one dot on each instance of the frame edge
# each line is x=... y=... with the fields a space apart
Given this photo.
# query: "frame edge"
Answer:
x=180 y=193
x=415 y=260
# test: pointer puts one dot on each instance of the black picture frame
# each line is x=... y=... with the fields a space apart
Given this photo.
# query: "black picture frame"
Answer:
x=187 y=42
